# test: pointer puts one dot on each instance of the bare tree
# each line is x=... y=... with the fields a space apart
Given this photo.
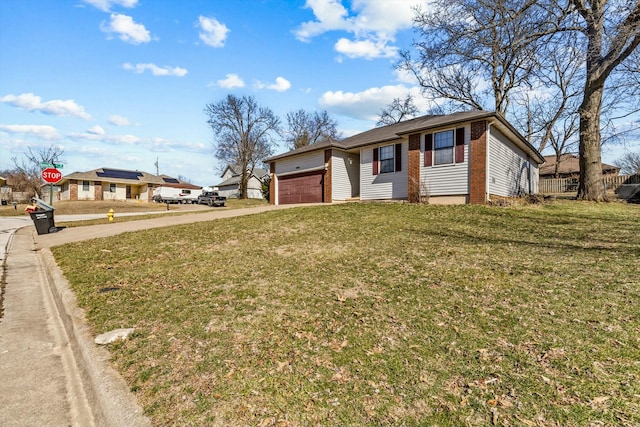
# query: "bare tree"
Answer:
x=501 y=42
x=629 y=163
x=397 y=111
x=26 y=174
x=477 y=52
x=612 y=31
x=243 y=134
x=549 y=111
x=306 y=128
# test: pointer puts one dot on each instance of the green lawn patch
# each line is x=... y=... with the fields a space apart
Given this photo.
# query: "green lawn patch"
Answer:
x=376 y=314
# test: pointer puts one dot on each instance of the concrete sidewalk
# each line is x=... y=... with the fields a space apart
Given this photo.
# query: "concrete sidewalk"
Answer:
x=51 y=372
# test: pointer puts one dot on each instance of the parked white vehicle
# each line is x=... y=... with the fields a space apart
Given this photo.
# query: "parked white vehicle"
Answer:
x=176 y=195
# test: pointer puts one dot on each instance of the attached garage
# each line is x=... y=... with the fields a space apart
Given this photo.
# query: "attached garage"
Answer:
x=301 y=188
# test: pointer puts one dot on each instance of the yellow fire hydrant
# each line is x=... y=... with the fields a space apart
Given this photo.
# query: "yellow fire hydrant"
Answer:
x=110 y=215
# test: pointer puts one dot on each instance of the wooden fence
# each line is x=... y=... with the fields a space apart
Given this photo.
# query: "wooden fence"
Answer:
x=570 y=185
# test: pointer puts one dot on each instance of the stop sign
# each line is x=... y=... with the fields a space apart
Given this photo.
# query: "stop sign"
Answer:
x=51 y=175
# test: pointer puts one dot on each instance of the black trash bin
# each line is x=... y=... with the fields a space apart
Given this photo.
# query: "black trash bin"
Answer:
x=43 y=220
x=43 y=217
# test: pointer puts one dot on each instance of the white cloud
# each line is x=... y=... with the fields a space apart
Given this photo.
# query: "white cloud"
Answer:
x=213 y=33
x=91 y=135
x=105 y=5
x=57 y=107
x=373 y=24
x=117 y=120
x=96 y=130
x=367 y=49
x=231 y=81
x=127 y=29
x=368 y=104
x=330 y=15
x=405 y=76
x=155 y=70
x=40 y=131
x=281 y=84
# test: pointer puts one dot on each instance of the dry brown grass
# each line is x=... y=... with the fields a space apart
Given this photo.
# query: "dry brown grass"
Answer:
x=397 y=315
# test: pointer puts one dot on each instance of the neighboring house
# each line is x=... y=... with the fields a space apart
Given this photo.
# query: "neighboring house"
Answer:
x=458 y=158
x=230 y=185
x=5 y=191
x=569 y=167
x=115 y=184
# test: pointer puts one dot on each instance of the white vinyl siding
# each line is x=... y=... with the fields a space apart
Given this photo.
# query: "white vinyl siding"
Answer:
x=508 y=171
x=254 y=189
x=301 y=163
x=383 y=186
x=449 y=179
x=345 y=182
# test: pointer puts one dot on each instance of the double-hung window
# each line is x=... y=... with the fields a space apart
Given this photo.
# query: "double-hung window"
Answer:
x=443 y=147
x=387 y=159
x=387 y=162
x=112 y=187
x=85 y=185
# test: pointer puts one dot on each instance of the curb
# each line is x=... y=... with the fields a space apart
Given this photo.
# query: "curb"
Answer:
x=106 y=394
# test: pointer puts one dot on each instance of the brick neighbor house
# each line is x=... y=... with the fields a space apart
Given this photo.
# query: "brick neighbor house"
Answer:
x=114 y=184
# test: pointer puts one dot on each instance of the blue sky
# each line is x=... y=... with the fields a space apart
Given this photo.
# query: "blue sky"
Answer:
x=121 y=83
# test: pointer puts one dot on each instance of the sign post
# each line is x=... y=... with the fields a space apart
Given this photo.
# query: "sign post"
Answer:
x=51 y=175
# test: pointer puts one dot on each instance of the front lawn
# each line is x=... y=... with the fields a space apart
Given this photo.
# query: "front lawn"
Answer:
x=376 y=314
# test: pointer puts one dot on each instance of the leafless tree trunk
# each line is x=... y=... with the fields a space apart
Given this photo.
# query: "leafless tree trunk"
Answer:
x=243 y=134
x=605 y=51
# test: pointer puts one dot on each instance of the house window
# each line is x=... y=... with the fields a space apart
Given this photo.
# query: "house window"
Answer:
x=112 y=188
x=443 y=147
x=387 y=162
x=85 y=185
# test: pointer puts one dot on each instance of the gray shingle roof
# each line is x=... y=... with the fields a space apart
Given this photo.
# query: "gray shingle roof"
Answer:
x=396 y=131
x=141 y=177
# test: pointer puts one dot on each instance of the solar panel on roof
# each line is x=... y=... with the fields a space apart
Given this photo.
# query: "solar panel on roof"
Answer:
x=119 y=174
x=171 y=180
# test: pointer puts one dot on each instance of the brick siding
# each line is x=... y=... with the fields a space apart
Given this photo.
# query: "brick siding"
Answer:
x=328 y=195
x=272 y=183
x=414 y=168
x=73 y=189
x=97 y=194
x=478 y=164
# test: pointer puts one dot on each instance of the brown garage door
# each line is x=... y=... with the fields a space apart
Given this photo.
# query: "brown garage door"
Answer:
x=301 y=188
